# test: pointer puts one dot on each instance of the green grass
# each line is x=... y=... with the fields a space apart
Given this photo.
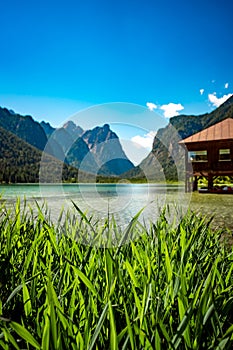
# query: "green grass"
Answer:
x=171 y=288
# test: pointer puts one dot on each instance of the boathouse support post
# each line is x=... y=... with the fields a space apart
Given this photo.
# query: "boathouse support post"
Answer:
x=210 y=181
x=195 y=183
x=186 y=183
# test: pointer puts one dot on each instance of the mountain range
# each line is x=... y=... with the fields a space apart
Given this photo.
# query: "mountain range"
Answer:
x=22 y=141
x=21 y=162
x=96 y=151
x=82 y=153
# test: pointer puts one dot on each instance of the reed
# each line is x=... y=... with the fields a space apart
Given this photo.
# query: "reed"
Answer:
x=171 y=288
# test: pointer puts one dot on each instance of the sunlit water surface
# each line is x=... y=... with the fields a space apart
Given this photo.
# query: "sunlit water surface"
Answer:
x=123 y=201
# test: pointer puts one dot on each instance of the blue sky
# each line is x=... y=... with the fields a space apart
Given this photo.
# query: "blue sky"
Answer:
x=59 y=57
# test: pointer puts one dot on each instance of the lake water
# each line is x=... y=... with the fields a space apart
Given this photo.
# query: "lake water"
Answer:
x=123 y=200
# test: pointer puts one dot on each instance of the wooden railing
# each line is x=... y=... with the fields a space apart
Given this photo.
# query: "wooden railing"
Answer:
x=216 y=166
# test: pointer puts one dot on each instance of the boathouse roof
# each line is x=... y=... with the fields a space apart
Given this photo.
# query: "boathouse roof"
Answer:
x=220 y=131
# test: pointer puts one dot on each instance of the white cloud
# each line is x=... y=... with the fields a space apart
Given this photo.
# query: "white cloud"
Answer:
x=226 y=85
x=202 y=91
x=218 y=101
x=151 y=106
x=144 y=141
x=171 y=109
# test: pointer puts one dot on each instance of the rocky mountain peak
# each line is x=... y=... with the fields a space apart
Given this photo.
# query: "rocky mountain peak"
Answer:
x=106 y=127
x=73 y=129
x=98 y=135
x=96 y=150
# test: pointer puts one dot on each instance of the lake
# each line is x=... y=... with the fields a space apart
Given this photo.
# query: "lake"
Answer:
x=123 y=200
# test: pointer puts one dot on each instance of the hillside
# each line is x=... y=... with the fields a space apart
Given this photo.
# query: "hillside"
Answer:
x=166 y=155
x=48 y=129
x=189 y=125
x=79 y=155
x=24 y=127
x=21 y=162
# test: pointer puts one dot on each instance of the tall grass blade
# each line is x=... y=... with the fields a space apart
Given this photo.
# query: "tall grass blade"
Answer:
x=25 y=334
x=26 y=301
x=11 y=296
x=127 y=232
x=85 y=280
x=113 y=333
x=129 y=327
x=98 y=327
x=131 y=273
x=9 y=338
x=83 y=216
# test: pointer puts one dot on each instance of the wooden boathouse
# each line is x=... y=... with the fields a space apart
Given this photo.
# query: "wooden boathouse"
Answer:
x=209 y=153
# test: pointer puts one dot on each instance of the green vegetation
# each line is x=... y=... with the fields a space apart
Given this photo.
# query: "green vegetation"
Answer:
x=169 y=288
x=21 y=162
x=220 y=180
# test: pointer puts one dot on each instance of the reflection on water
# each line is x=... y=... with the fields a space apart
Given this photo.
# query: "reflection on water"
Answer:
x=124 y=200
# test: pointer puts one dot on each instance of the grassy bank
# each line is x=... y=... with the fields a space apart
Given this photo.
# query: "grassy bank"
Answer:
x=171 y=288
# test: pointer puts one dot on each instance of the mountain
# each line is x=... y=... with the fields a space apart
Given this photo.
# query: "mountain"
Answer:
x=97 y=150
x=48 y=129
x=166 y=160
x=24 y=127
x=63 y=136
x=79 y=156
x=105 y=147
x=189 y=125
x=73 y=129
